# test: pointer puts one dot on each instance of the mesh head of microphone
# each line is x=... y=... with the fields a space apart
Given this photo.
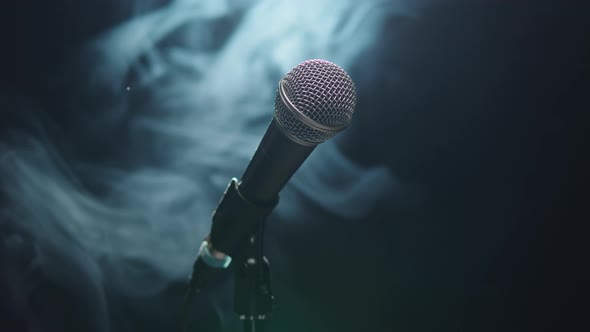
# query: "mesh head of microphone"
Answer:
x=315 y=101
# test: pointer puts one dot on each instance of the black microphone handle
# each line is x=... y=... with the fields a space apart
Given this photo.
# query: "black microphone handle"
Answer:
x=246 y=203
x=275 y=161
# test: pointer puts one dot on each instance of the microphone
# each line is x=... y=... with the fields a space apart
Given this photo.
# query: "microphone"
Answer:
x=314 y=101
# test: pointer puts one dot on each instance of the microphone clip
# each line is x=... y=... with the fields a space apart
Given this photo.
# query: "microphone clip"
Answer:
x=236 y=219
x=237 y=232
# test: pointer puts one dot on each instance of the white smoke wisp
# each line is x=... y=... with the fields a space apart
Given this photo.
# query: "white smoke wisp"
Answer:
x=193 y=114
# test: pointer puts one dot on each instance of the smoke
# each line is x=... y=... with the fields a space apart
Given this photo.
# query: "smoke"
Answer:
x=161 y=111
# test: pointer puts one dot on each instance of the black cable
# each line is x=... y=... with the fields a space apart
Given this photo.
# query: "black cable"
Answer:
x=186 y=304
x=188 y=300
x=200 y=276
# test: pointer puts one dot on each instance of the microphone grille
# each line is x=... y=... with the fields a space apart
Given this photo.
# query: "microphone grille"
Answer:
x=315 y=101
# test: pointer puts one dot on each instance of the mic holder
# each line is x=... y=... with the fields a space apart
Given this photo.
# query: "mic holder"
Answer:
x=238 y=231
x=236 y=220
x=252 y=293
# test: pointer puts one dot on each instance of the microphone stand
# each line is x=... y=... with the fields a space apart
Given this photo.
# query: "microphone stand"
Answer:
x=252 y=294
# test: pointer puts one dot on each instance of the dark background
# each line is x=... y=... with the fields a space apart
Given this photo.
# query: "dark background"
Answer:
x=485 y=117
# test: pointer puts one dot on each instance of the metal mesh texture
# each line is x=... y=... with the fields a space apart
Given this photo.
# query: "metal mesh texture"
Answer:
x=322 y=92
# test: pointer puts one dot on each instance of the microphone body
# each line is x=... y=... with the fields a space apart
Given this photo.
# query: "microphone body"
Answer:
x=274 y=162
